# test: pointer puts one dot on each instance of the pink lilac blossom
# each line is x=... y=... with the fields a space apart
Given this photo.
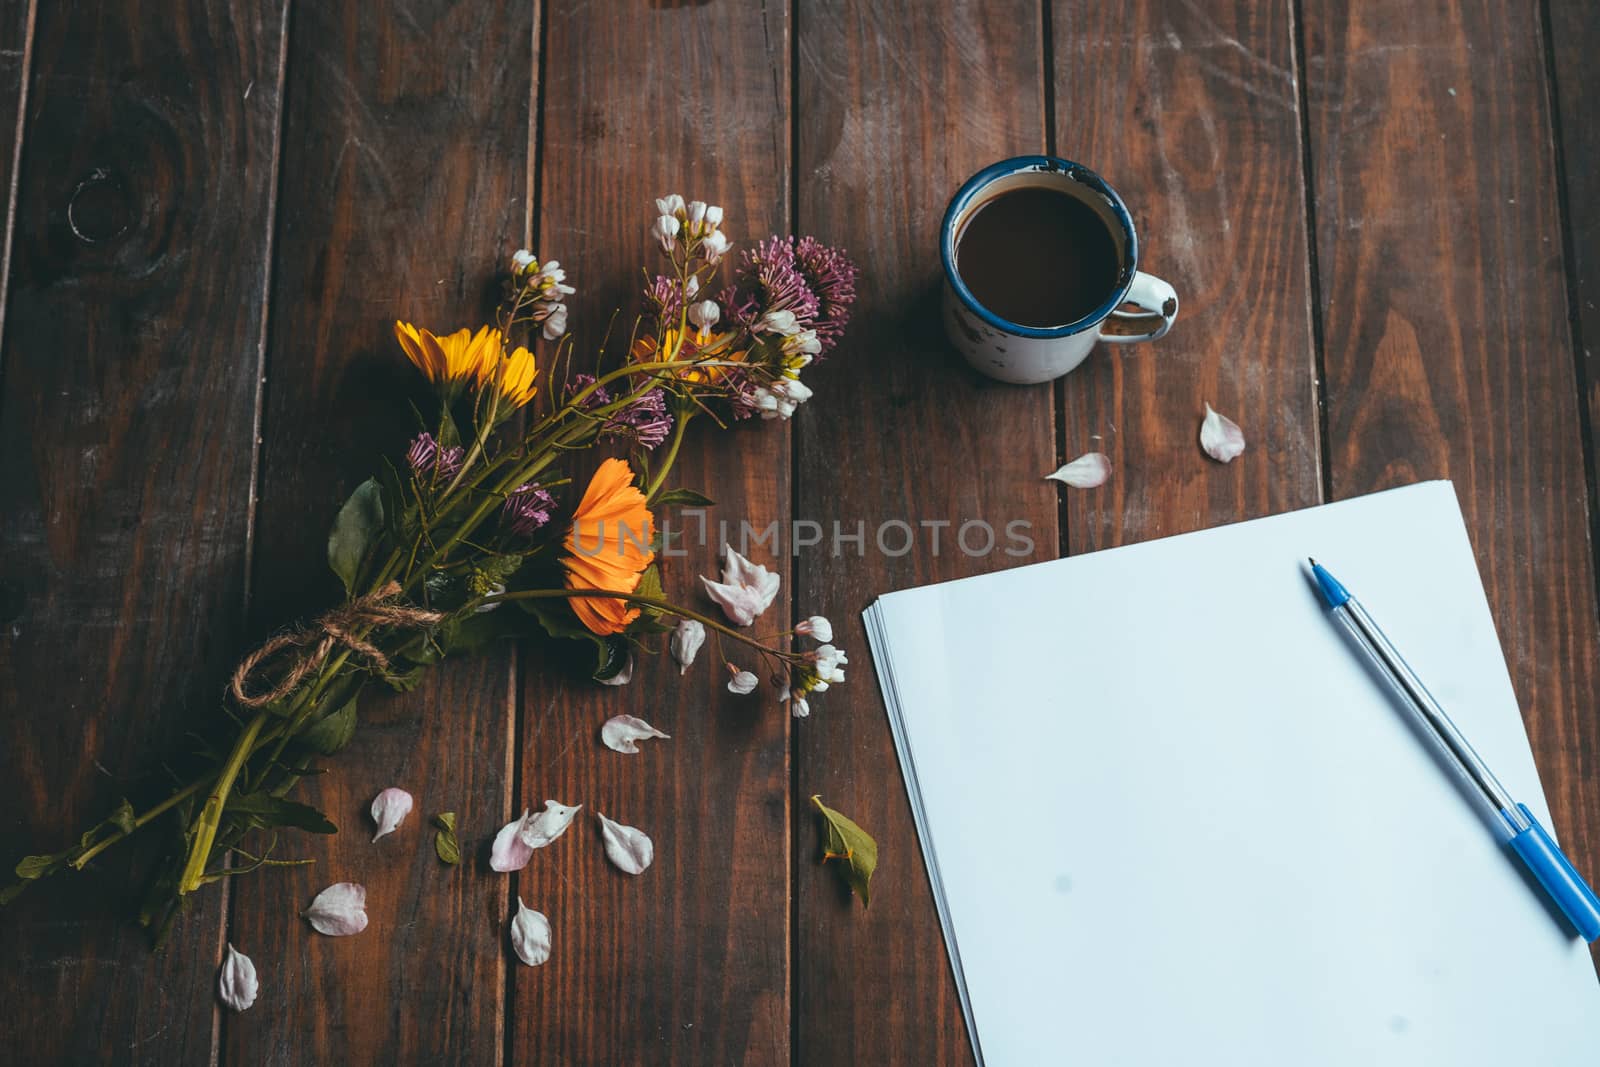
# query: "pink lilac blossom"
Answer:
x=813 y=280
x=645 y=422
x=427 y=458
x=664 y=297
x=527 y=508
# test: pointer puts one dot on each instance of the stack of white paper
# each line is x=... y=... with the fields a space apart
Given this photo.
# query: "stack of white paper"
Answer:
x=1170 y=818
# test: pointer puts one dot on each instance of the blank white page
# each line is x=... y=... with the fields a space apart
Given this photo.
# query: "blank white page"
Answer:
x=1172 y=819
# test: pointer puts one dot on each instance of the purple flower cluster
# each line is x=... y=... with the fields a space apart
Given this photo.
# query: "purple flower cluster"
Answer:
x=805 y=276
x=664 y=298
x=645 y=422
x=428 y=459
x=527 y=508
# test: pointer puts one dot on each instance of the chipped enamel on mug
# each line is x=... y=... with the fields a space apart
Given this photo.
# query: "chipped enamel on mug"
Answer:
x=1026 y=355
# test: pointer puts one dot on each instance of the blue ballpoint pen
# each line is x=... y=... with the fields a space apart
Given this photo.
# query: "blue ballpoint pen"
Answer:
x=1526 y=837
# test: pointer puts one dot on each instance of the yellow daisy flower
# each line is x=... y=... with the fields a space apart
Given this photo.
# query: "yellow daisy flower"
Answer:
x=519 y=378
x=455 y=358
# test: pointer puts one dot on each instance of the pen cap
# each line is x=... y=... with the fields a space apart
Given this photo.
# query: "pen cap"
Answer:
x=1560 y=879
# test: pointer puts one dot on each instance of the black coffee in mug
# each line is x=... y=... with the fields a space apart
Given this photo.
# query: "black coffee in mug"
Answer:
x=1037 y=257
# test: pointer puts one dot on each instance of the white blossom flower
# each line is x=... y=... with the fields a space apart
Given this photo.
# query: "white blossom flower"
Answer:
x=816 y=626
x=670 y=204
x=555 y=323
x=798 y=707
x=746 y=590
x=389 y=810
x=686 y=641
x=742 y=682
x=236 y=983
x=715 y=246
x=803 y=342
x=530 y=935
x=665 y=231
x=696 y=213
x=780 y=322
x=829 y=660
x=780 y=399
x=705 y=314
x=521 y=260
x=691 y=288
x=713 y=217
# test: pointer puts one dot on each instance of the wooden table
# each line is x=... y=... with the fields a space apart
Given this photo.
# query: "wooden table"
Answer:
x=1382 y=219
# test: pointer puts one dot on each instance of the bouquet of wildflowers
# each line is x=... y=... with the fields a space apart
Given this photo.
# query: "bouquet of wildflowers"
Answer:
x=488 y=528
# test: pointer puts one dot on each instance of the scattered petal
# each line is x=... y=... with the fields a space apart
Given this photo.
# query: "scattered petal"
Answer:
x=237 y=984
x=389 y=810
x=742 y=682
x=530 y=935
x=686 y=642
x=1221 y=437
x=626 y=846
x=746 y=590
x=623 y=733
x=1085 y=472
x=549 y=824
x=339 y=910
x=510 y=852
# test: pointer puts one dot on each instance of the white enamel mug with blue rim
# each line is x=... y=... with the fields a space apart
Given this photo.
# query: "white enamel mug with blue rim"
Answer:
x=1025 y=355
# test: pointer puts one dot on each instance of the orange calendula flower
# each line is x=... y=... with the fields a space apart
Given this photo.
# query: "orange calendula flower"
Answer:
x=608 y=547
x=455 y=358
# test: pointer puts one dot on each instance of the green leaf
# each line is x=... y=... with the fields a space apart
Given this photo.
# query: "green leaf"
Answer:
x=268 y=810
x=405 y=681
x=355 y=530
x=560 y=623
x=852 y=846
x=31 y=867
x=683 y=498
x=331 y=732
x=395 y=510
x=444 y=841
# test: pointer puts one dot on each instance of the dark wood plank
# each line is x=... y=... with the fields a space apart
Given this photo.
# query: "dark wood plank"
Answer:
x=1573 y=34
x=1191 y=111
x=126 y=441
x=1447 y=345
x=901 y=430
x=16 y=54
x=687 y=963
x=404 y=191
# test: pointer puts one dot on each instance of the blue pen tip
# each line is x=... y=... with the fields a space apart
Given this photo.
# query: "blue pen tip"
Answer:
x=1332 y=592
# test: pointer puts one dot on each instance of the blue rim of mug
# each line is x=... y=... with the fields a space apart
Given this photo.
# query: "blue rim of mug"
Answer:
x=1044 y=164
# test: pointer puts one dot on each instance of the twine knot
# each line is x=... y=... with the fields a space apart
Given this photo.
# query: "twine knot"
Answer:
x=327 y=631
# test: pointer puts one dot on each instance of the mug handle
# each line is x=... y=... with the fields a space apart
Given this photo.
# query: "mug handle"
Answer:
x=1159 y=304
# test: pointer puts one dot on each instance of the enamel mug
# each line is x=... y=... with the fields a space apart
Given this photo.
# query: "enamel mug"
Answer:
x=1025 y=355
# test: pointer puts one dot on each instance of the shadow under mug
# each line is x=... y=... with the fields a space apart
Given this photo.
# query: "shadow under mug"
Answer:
x=1025 y=355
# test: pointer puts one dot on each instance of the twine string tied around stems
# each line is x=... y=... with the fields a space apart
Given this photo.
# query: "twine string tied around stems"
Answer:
x=327 y=631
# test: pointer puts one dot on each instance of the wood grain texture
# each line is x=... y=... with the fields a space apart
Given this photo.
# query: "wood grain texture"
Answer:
x=126 y=443
x=1447 y=346
x=1573 y=33
x=687 y=963
x=404 y=192
x=901 y=430
x=16 y=54
x=1192 y=113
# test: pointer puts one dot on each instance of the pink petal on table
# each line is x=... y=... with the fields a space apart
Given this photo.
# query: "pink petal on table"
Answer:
x=1221 y=437
x=510 y=851
x=389 y=810
x=626 y=846
x=236 y=983
x=622 y=733
x=1085 y=472
x=339 y=910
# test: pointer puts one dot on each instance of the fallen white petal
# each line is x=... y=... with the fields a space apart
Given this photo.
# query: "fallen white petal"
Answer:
x=626 y=846
x=237 y=985
x=510 y=851
x=686 y=642
x=743 y=682
x=1085 y=472
x=339 y=910
x=623 y=733
x=622 y=677
x=530 y=935
x=389 y=810
x=549 y=824
x=1220 y=436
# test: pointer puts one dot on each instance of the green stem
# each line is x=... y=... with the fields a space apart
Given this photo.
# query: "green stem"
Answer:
x=671 y=457
x=643 y=601
x=211 y=816
x=139 y=821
